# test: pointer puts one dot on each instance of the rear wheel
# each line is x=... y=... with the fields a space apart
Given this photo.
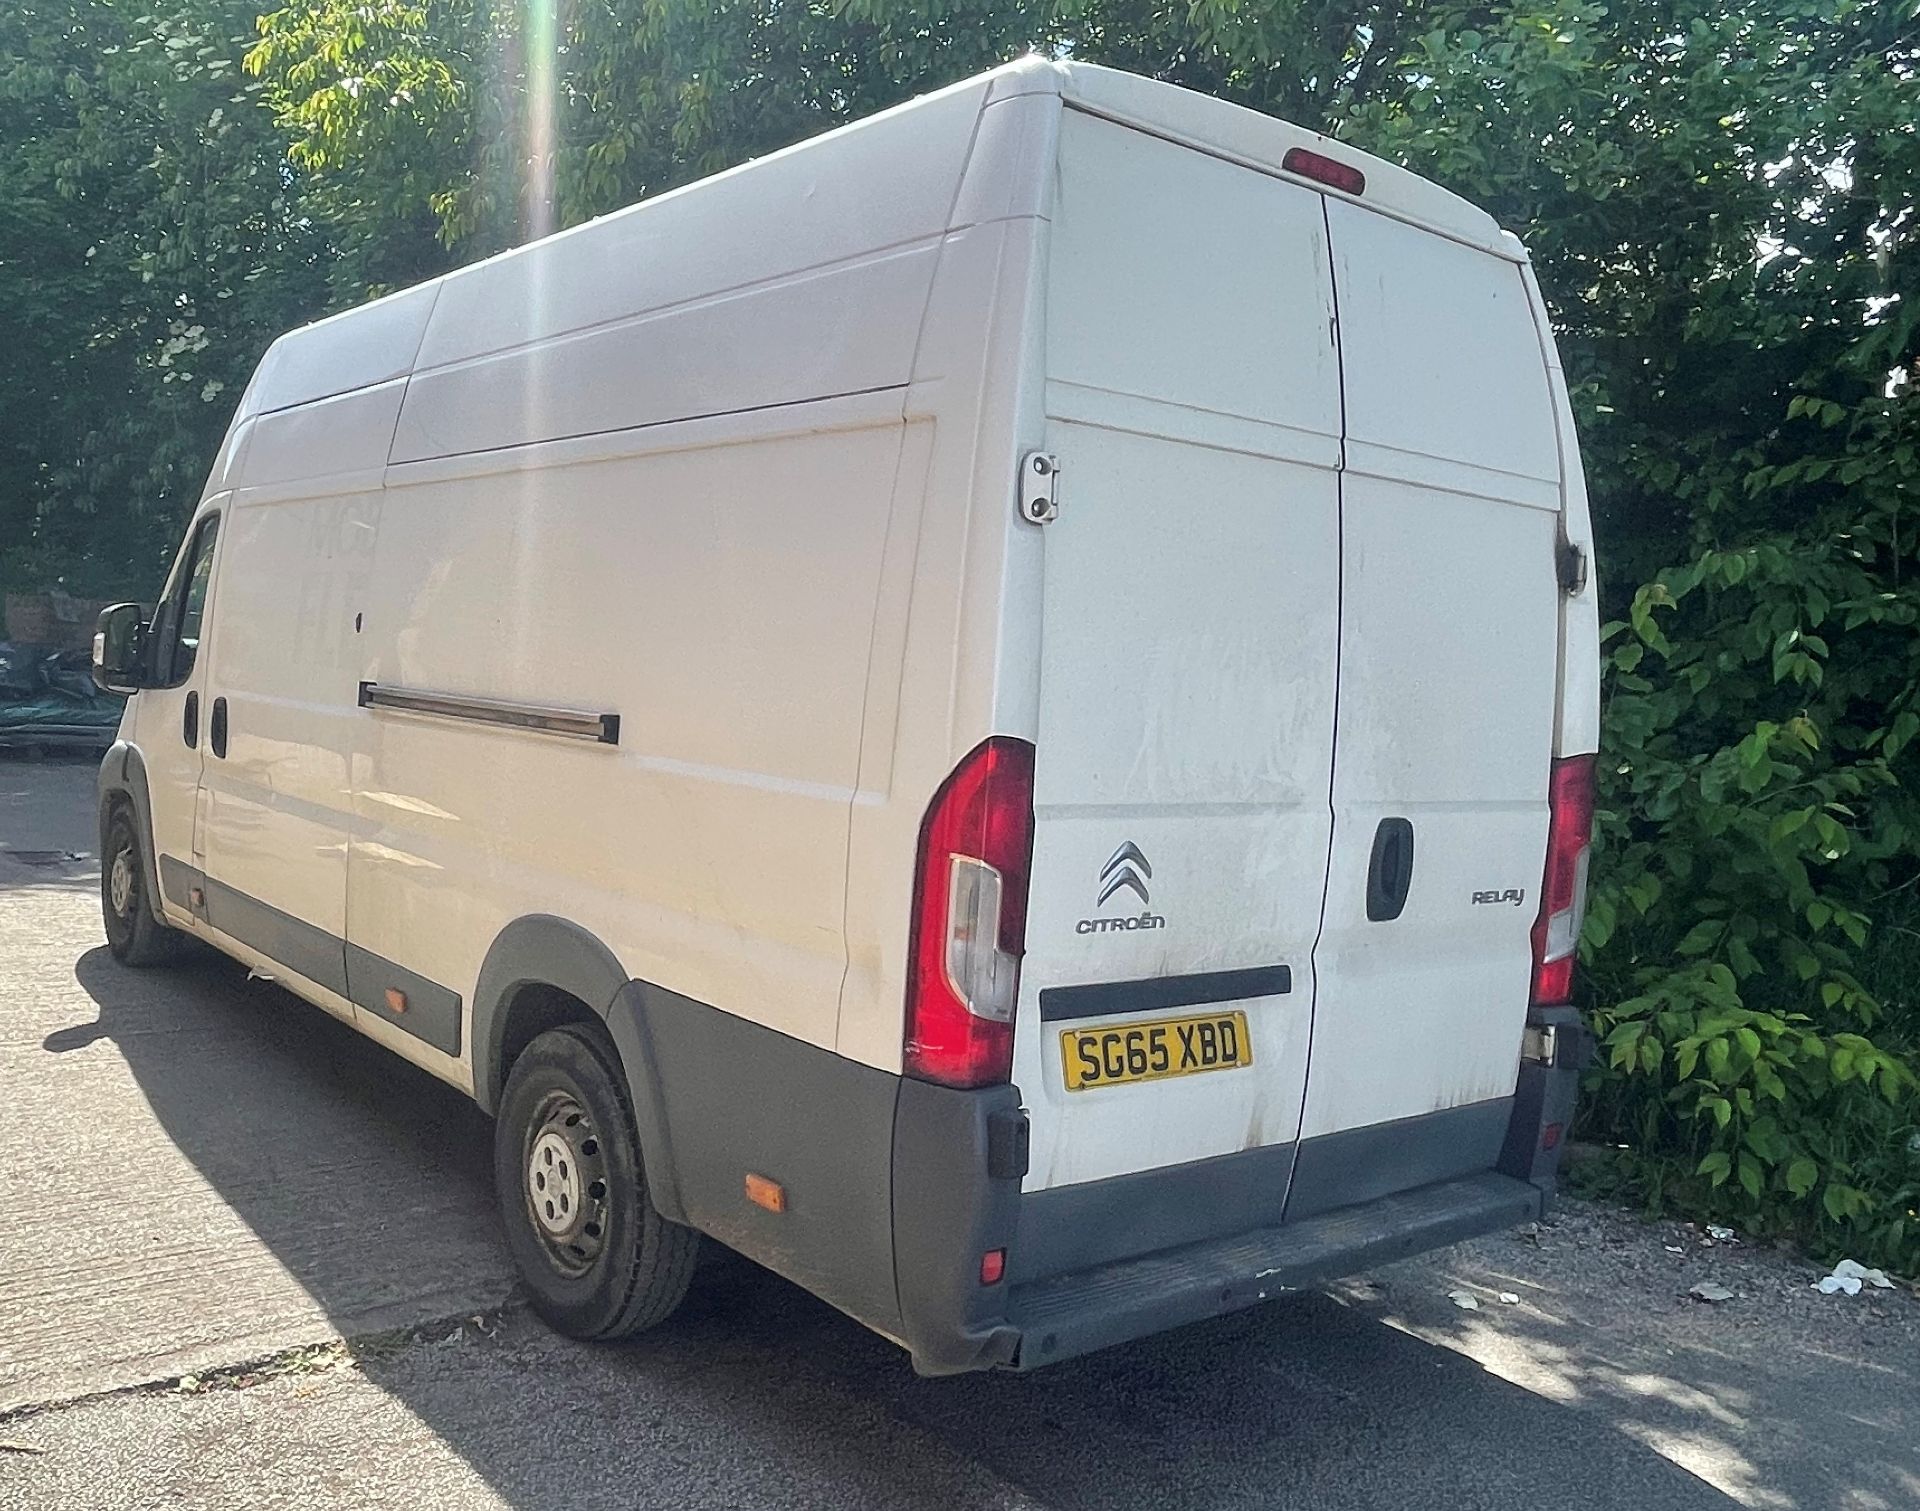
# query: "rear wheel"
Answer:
x=598 y=1260
x=134 y=935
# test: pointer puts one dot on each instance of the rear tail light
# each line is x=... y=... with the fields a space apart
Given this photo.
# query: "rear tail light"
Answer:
x=1563 y=891
x=1324 y=170
x=970 y=918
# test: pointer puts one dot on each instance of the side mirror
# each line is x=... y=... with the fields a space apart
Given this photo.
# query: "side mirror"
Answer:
x=120 y=649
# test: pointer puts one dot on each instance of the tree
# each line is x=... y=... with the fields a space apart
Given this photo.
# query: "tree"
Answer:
x=149 y=249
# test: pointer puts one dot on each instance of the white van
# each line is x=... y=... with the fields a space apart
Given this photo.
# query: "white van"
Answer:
x=995 y=710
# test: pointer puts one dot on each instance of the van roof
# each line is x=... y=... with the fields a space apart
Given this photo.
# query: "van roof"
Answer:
x=385 y=339
x=1233 y=131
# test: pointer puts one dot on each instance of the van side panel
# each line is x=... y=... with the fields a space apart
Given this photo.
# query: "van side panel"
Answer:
x=680 y=363
x=1577 y=730
x=363 y=347
x=675 y=433
x=953 y=653
x=785 y=280
x=881 y=183
x=719 y=600
x=297 y=547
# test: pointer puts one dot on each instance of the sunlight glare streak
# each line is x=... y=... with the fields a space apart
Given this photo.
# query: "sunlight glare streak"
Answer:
x=536 y=159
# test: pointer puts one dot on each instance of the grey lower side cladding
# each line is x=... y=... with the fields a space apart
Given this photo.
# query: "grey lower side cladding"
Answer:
x=1359 y=1164
x=180 y=880
x=731 y=1098
x=429 y=1011
x=1097 y=1222
x=298 y=945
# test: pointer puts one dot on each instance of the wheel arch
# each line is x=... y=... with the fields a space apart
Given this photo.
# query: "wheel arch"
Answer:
x=123 y=783
x=533 y=958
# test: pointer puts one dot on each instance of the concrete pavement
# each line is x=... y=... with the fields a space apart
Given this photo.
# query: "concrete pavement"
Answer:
x=196 y=1167
x=196 y=1170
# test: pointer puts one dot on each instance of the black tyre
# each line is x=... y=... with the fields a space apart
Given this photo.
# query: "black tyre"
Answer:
x=134 y=935
x=598 y=1260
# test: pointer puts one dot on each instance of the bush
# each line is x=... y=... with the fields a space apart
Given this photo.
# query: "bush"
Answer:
x=1758 y=1037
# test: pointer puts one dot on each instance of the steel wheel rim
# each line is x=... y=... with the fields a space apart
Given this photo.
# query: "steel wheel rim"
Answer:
x=563 y=1177
x=120 y=881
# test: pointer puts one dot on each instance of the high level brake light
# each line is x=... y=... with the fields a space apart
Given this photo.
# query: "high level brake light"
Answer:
x=1324 y=170
x=970 y=918
x=1563 y=891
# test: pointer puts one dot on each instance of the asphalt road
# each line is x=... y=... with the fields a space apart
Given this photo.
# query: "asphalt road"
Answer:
x=198 y=1173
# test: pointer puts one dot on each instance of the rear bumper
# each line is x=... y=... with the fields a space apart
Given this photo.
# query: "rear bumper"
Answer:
x=1075 y=1314
x=1093 y=1266
x=896 y=1188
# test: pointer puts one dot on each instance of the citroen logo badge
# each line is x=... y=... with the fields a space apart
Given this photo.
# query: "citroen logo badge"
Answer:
x=1127 y=868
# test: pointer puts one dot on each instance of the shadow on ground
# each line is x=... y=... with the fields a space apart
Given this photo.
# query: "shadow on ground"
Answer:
x=346 y=1196
x=762 y=1395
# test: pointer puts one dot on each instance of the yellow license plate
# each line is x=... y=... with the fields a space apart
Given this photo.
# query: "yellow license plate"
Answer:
x=1114 y=1053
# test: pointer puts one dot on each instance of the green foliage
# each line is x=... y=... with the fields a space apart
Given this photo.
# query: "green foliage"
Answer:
x=1723 y=207
x=1723 y=204
x=481 y=123
x=149 y=250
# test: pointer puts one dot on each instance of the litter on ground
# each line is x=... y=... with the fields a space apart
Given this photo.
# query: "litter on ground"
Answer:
x=1847 y=1278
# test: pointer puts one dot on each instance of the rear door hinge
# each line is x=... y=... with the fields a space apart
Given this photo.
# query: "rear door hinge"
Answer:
x=1570 y=563
x=1039 y=487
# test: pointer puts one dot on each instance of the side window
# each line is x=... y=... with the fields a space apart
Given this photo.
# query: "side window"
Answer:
x=176 y=630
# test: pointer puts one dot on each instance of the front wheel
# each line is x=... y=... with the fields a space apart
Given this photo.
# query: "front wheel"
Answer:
x=134 y=935
x=598 y=1260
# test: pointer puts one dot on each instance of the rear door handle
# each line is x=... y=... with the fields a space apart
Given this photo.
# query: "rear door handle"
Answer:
x=1390 y=872
x=190 y=720
x=217 y=728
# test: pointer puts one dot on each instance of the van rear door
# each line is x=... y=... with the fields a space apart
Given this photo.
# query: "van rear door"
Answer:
x=1449 y=628
x=1187 y=651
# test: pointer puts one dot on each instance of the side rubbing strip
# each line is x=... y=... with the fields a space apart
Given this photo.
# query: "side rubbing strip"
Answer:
x=1061 y=1002
x=377 y=986
x=392 y=993
x=572 y=723
x=179 y=881
x=293 y=942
